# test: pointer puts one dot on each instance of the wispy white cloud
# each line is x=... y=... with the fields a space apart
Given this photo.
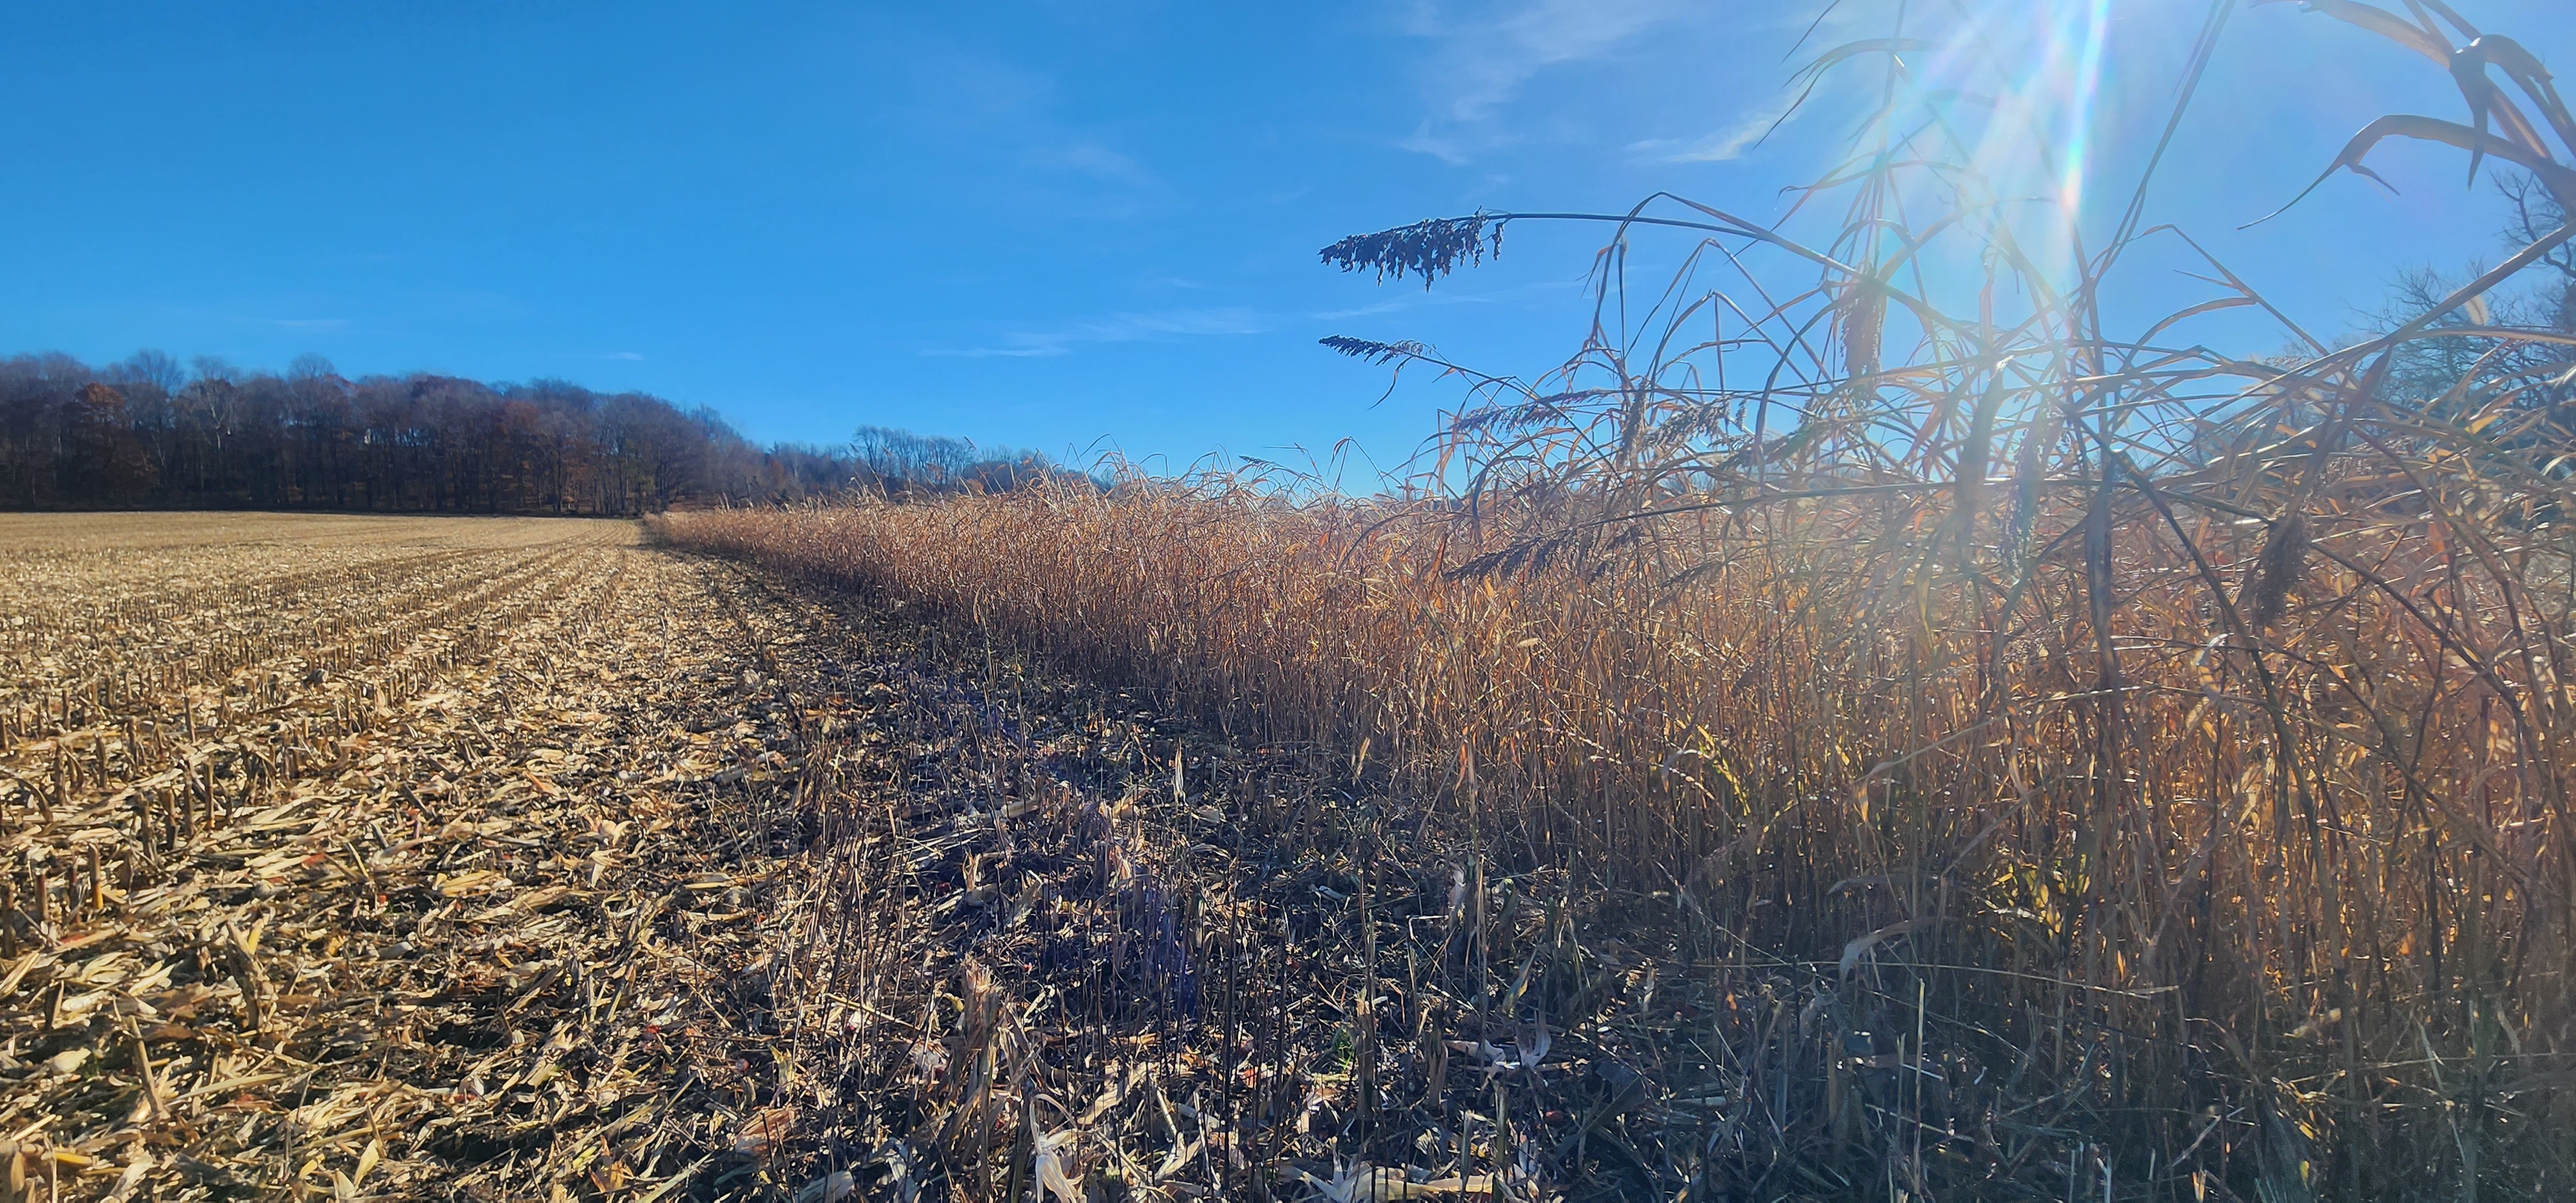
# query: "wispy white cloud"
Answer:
x=1485 y=61
x=1159 y=326
x=1515 y=73
x=1550 y=290
x=1724 y=145
x=1425 y=140
x=1095 y=160
x=1012 y=119
x=1489 y=61
x=1400 y=304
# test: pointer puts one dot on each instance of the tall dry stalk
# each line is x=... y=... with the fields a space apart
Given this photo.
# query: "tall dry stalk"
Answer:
x=2178 y=745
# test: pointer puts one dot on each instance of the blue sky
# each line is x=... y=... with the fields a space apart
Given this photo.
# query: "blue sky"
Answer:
x=1052 y=224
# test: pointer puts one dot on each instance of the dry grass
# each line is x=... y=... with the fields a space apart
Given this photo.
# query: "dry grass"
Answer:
x=1981 y=757
x=1862 y=731
x=1845 y=818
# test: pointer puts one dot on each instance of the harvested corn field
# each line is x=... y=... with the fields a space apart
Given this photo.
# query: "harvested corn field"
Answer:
x=337 y=850
x=511 y=859
x=386 y=857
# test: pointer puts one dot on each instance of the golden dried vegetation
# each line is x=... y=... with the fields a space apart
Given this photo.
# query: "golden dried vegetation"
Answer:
x=1867 y=732
x=390 y=858
x=1859 y=729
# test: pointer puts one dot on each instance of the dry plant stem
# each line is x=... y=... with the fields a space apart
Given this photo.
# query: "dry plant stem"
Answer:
x=2326 y=848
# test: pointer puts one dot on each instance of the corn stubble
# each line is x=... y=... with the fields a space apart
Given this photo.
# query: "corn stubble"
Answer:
x=392 y=858
x=1982 y=758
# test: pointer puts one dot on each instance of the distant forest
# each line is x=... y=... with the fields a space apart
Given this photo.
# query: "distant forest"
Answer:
x=148 y=433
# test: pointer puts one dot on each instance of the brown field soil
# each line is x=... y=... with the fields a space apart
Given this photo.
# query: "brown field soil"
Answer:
x=384 y=857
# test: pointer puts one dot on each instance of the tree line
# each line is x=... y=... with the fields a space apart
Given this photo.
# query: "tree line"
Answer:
x=146 y=432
